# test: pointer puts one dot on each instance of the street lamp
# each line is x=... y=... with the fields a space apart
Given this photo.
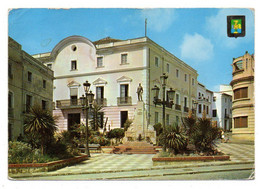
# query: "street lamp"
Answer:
x=86 y=103
x=194 y=106
x=169 y=101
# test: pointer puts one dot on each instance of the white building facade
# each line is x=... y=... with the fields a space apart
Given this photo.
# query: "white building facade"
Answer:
x=115 y=68
x=204 y=99
x=222 y=110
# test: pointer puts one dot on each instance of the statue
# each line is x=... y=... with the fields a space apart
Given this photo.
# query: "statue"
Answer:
x=140 y=92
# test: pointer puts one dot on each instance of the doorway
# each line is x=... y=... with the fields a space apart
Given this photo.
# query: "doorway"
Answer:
x=73 y=119
x=123 y=118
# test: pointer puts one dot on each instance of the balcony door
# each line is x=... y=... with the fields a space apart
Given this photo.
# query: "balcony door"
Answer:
x=124 y=93
x=123 y=118
x=73 y=96
x=73 y=119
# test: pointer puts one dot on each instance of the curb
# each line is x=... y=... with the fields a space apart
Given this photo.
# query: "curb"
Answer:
x=12 y=176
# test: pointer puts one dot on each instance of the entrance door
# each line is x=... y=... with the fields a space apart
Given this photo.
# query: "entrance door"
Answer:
x=73 y=119
x=124 y=117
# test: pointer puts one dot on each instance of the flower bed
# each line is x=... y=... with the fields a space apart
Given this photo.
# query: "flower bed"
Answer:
x=184 y=158
x=44 y=167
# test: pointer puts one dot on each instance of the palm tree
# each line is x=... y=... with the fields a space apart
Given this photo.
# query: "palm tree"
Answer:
x=40 y=124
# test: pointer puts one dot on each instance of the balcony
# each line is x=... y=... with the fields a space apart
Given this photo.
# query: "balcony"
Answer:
x=177 y=107
x=121 y=101
x=101 y=101
x=10 y=112
x=227 y=116
x=69 y=103
x=186 y=109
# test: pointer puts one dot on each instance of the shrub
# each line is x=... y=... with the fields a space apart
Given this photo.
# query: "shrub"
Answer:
x=99 y=140
x=20 y=152
x=117 y=133
x=204 y=135
x=127 y=124
x=173 y=139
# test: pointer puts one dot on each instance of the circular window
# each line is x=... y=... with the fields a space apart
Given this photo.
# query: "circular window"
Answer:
x=73 y=47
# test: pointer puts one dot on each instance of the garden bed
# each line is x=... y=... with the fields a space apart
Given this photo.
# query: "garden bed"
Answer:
x=157 y=160
x=44 y=167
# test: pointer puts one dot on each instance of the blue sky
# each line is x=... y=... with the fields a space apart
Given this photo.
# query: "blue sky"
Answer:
x=196 y=36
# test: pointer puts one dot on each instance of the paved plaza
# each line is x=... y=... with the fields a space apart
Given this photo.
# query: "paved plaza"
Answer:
x=116 y=163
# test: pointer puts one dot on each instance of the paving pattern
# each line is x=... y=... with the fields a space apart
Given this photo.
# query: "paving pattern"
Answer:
x=238 y=152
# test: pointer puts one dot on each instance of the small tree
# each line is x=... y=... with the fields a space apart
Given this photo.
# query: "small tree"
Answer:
x=127 y=124
x=96 y=121
x=189 y=123
x=158 y=129
x=40 y=124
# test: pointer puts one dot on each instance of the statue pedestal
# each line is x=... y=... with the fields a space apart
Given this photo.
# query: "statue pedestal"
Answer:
x=139 y=128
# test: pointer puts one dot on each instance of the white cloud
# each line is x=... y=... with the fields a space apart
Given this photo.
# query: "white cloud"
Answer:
x=196 y=47
x=158 y=19
x=217 y=26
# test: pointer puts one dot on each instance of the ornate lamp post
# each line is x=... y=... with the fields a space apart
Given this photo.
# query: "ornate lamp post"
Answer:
x=194 y=107
x=86 y=102
x=170 y=93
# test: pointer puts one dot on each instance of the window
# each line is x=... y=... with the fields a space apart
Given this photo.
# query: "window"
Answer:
x=167 y=119
x=100 y=92
x=238 y=65
x=240 y=122
x=185 y=101
x=73 y=96
x=73 y=48
x=156 y=61
x=49 y=66
x=204 y=108
x=10 y=72
x=199 y=108
x=124 y=90
x=29 y=76
x=241 y=93
x=199 y=93
x=207 y=110
x=44 y=84
x=214 y=99
x=193 y=81
x=10 y=99
x=123 y=58
x=73 y=65
x=44 y=105
x=28 y=103
x=99 y=62
x=214 y=113
x=156 y=117
x=185 y=77
x=168 y=68
x=177 y=73
x=177 y=99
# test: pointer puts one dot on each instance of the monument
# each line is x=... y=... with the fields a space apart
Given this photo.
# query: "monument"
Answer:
x=139 y=129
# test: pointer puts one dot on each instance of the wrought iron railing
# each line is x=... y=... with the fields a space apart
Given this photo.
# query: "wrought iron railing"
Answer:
x=177 y=107
x=68 y=103
x=101 y=101
x=124 y=100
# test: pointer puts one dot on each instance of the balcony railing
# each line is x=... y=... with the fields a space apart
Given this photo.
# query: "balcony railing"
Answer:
x=68 y=103
x=177 y=107
x=10 y=112
x=227 y=116
x=101 y=101
x=124 y=101
x=186 y=109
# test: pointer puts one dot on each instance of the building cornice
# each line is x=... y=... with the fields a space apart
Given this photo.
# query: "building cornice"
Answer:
x=243 y=106
x=249 y=78
x=102 y=72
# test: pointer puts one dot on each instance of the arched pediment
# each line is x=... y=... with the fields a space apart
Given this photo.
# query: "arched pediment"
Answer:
x=124 y=79
x=70 y=40
x=99 y=81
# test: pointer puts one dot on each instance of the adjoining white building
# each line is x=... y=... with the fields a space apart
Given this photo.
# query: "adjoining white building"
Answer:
x=115 y=68
x=204 y=99
x=222 y=107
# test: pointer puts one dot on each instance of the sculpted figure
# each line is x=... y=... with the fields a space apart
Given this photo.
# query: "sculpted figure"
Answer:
x=140 y=92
